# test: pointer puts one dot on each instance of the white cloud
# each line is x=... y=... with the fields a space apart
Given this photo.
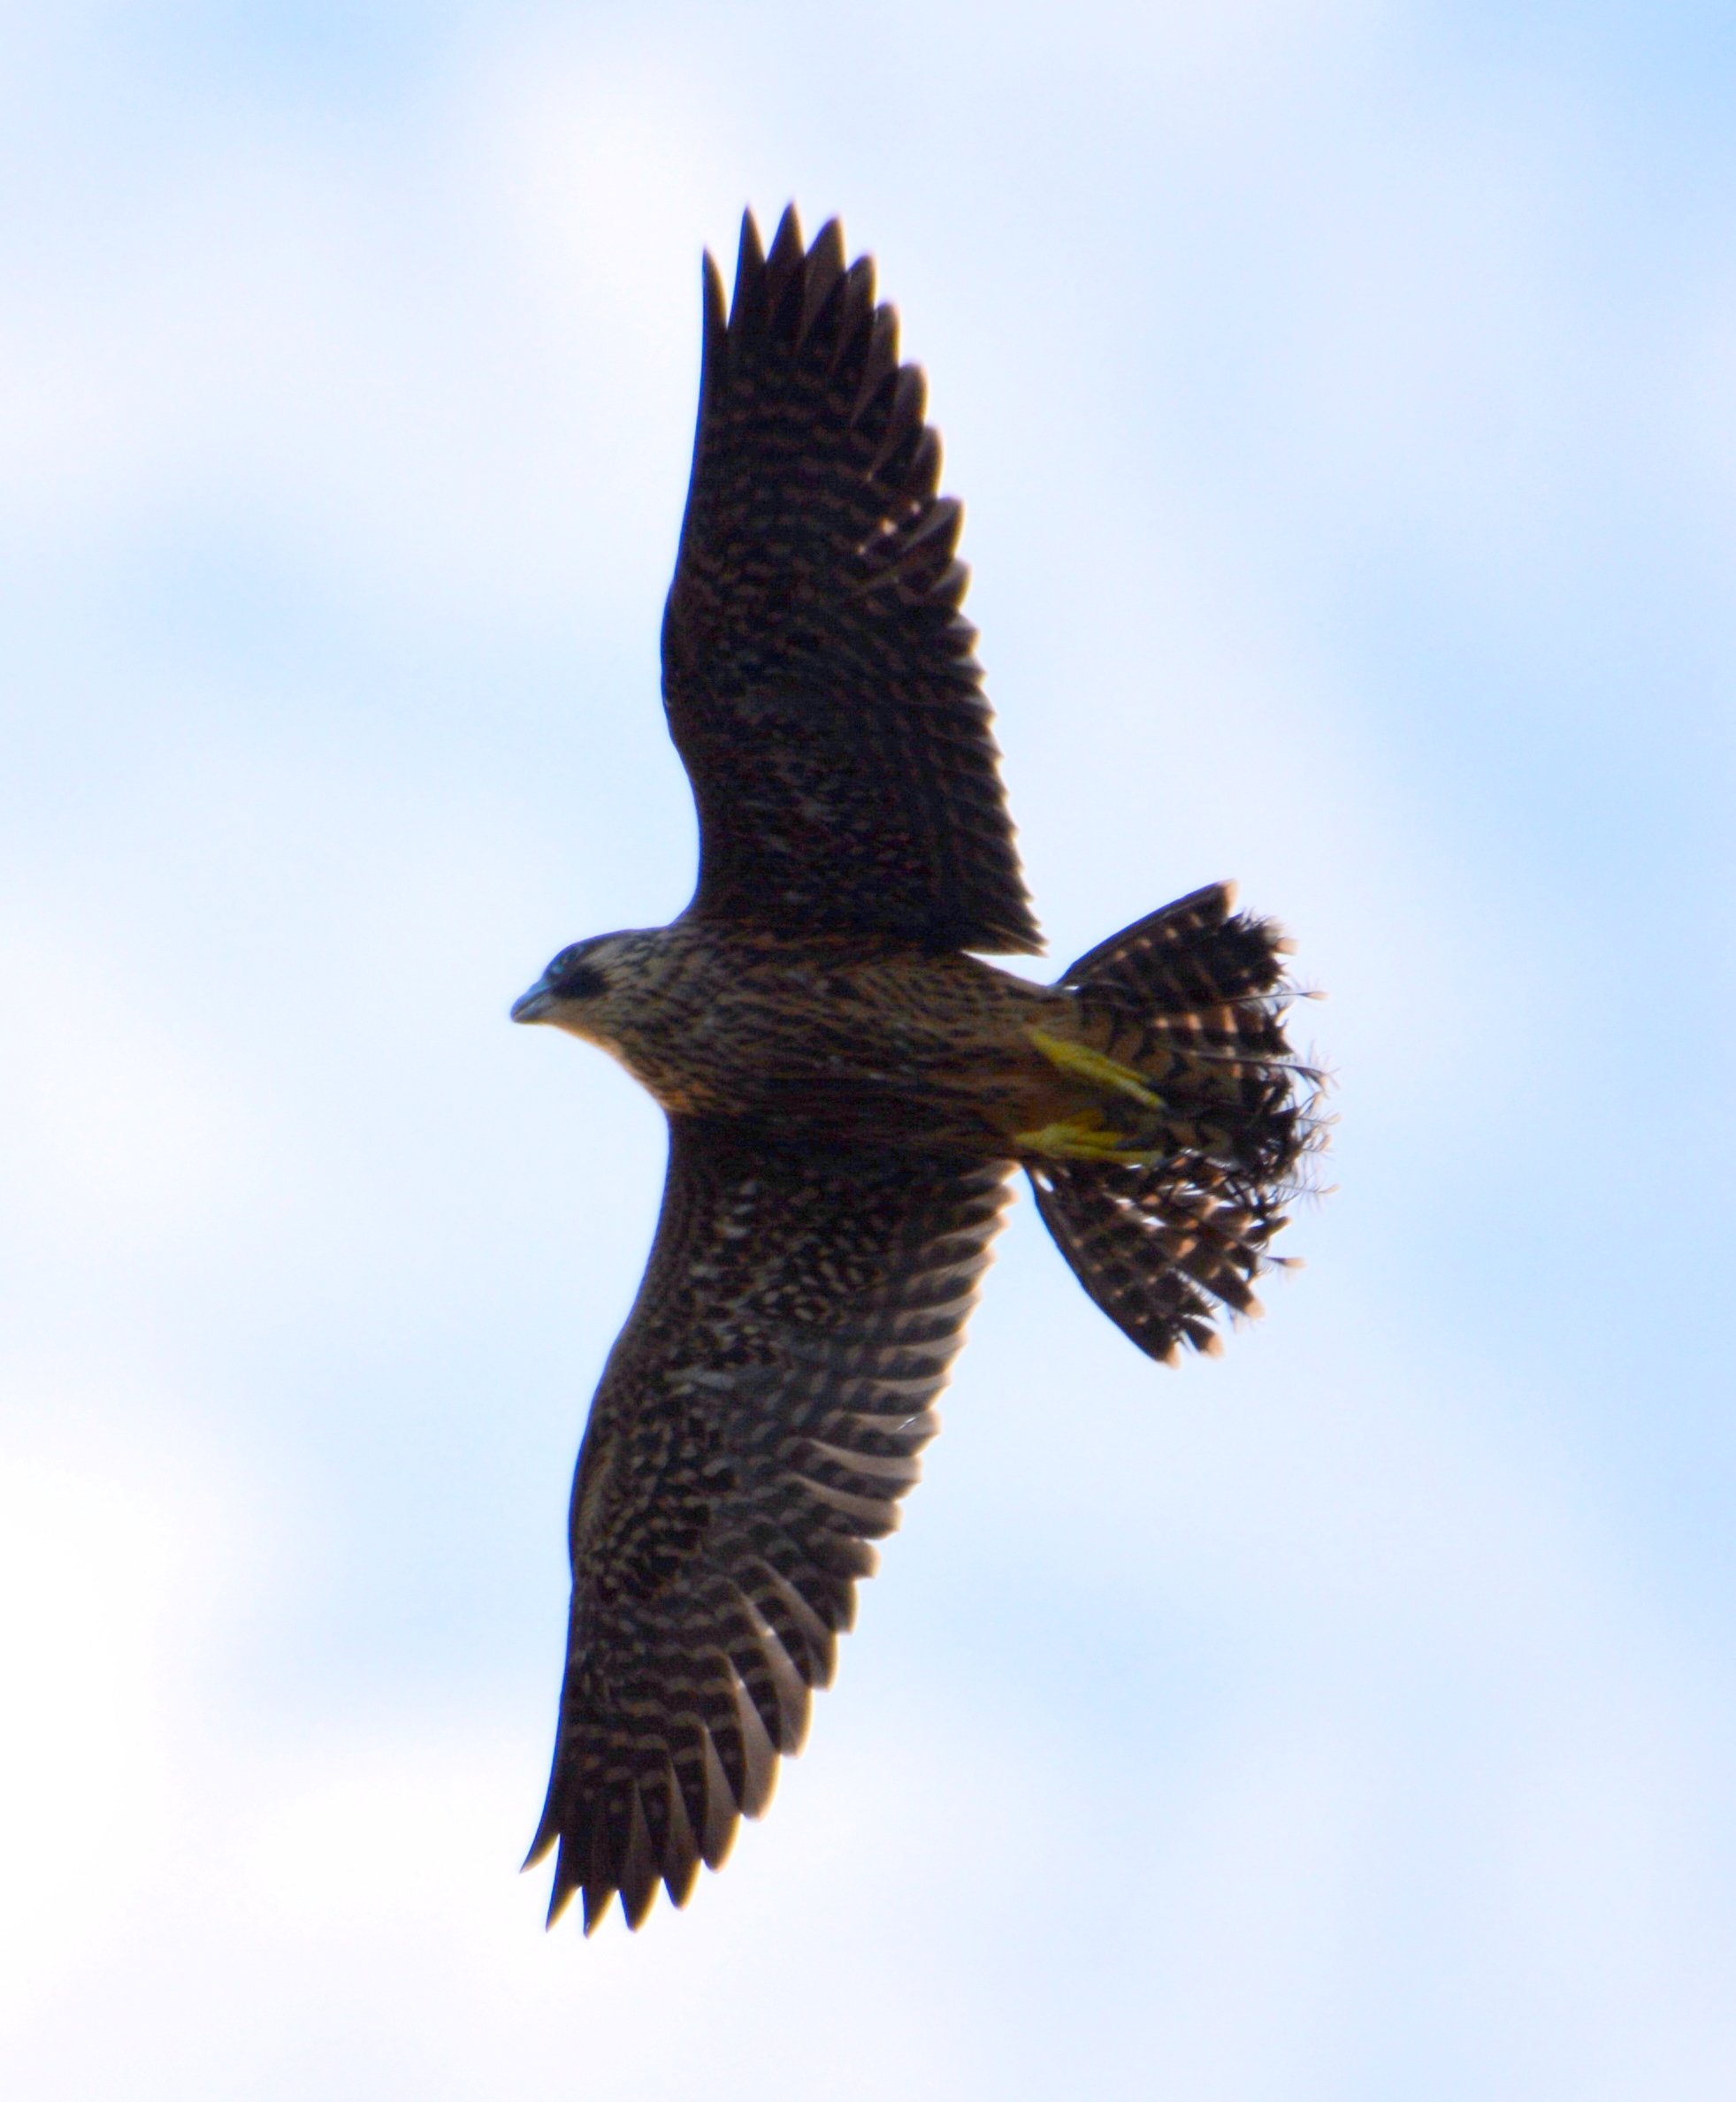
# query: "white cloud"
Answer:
x=97 y=1565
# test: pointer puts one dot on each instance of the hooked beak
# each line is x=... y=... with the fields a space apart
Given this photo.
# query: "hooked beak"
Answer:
x=536 y=1005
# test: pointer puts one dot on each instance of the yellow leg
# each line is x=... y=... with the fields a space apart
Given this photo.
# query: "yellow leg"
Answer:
x=1085 y=1137
x=1093 y=1065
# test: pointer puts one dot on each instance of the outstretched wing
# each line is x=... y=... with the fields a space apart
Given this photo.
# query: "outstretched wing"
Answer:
x=756 y=1422
x=817 y=672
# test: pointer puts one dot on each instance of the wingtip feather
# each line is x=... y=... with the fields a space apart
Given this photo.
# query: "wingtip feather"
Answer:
x=747 y=305
x=714 y=304
x=786 y=246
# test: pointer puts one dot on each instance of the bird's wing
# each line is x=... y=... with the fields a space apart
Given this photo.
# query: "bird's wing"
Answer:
x=758 y=1419
x=817 y=672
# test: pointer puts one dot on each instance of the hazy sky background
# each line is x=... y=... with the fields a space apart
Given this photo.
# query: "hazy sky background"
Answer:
x=1344 y=398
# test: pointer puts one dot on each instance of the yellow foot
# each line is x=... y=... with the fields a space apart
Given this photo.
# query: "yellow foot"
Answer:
x=1085 y=1137
x=1093 y=1065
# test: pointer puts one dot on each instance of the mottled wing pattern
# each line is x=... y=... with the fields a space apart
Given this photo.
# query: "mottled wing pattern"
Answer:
x=1193 y=996
x=757 y=1421
x=817 y=672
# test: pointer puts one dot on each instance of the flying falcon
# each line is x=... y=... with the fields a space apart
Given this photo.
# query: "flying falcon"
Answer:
x=848 y=1086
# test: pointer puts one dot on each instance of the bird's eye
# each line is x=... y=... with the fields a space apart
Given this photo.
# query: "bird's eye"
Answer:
x=572 y=978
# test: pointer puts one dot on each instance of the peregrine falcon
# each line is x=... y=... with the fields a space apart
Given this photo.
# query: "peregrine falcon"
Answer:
x=848 y=1087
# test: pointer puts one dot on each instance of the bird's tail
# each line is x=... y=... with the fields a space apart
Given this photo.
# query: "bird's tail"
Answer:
x=1183 y=1015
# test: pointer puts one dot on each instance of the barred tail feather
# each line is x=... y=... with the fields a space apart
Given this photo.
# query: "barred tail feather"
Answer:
x=1192 y=998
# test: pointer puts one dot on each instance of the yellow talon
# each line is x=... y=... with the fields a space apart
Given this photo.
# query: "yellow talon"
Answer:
x=1093 y=1065
x=1084 y=1137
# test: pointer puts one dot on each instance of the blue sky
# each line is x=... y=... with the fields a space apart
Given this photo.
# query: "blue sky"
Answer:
x=1344 y=399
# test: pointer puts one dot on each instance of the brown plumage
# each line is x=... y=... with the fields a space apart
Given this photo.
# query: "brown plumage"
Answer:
x=818 y=676
x=847 y=1089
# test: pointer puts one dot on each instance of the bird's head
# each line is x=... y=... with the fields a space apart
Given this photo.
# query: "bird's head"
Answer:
x=573 y=993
